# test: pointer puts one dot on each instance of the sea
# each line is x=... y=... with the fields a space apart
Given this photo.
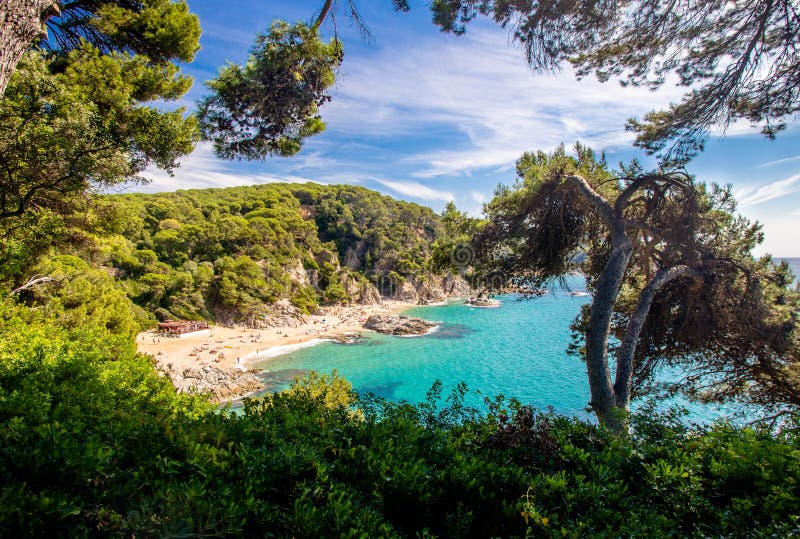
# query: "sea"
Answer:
x=518 y=350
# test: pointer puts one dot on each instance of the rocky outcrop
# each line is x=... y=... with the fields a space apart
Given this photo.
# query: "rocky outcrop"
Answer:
x=347 y=338
x=360 y=291
x=406 y=292
x=297 y=273
x=430 y=288
x=353 y=256
x=281 y=314
x=482 y=301
x=220 y=384
x=455 y=286
x=398 y=324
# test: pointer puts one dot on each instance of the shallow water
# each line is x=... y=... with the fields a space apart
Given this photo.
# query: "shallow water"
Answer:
x=518 y=350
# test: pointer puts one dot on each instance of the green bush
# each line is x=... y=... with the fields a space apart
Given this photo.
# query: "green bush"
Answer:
x=94 y=442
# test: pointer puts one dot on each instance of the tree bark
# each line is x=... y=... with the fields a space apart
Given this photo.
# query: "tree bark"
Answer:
x=33 y=281
x=326 y=8
x=21 y=23
x=604 y=401
x=625 y=353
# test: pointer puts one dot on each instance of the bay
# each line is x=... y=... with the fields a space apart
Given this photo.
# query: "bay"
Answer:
x=517 y=350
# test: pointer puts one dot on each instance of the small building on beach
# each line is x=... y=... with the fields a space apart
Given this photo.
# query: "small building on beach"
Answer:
x=177 y=328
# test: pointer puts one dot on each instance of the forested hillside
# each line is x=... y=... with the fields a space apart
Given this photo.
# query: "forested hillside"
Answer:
x=227 y=255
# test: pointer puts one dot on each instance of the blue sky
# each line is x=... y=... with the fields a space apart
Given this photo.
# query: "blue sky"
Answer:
x=430 y=117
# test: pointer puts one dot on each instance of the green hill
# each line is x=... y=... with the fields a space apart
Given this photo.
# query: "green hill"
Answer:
x=227 y=255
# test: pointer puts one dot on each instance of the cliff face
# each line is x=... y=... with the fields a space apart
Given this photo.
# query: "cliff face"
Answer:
x=424 y=288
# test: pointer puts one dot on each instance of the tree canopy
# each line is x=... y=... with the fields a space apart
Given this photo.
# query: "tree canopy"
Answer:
x=159 y=32
x=74 y=114
x=270 y=104
x=229 y=254
x=737 y=59
x=671 y=272
x=77 y=114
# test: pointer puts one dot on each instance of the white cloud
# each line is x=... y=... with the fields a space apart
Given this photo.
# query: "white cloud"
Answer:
x=779 y=162
x=750 y=196
x=201 y=169
x=417 y=190
x=480 y=88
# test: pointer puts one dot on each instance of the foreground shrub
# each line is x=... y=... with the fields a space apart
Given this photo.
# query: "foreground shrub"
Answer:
x=93 y=442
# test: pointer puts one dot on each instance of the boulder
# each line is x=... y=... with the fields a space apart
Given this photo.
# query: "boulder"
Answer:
x=220 y=384
x=482 y=301
x=398 y=324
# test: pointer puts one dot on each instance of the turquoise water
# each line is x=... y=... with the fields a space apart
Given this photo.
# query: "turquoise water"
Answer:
x=517 y=350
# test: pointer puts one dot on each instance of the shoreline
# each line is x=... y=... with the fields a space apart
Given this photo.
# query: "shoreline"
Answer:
x=232 y=347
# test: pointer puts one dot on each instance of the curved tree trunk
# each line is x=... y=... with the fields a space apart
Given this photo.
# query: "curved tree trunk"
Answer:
x=21 y=23
x=604 y=399
x=625 y=354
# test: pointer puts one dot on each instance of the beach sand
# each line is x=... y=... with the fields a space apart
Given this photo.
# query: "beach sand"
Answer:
x=227 y=347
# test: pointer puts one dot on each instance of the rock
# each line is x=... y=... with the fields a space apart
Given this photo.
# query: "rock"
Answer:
x=281 y=314
x=297 y=273
x=482 y=301
x=398 y=325
x=361 y=292
x=220 y=384
x=352 y=259
x=406 y=292
x=455 y=285
x=347 y=338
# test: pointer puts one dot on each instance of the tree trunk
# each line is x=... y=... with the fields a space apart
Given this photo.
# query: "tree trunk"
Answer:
x=625 y=354
x=326 y=8
x=604 y=401
x=21 y=23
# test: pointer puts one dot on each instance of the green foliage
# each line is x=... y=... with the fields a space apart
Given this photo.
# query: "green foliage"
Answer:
x=73 y=117
x=93 y=442
x=373 y=233
x=81 y=296
x=228 y=254
x=270 y=104
x=160 y=30
x=533 y=232
x=737 y=57
x=453 y=249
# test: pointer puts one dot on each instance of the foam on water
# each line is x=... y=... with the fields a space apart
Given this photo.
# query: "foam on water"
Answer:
x=282 y=350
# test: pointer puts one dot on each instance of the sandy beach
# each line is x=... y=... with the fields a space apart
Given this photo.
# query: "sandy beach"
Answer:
x=227 y=347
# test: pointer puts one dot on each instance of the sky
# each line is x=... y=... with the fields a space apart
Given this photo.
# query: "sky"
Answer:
x=430 y=117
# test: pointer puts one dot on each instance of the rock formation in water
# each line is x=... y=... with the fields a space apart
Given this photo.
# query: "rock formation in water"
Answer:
x=482 y=301
x=398 y=324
